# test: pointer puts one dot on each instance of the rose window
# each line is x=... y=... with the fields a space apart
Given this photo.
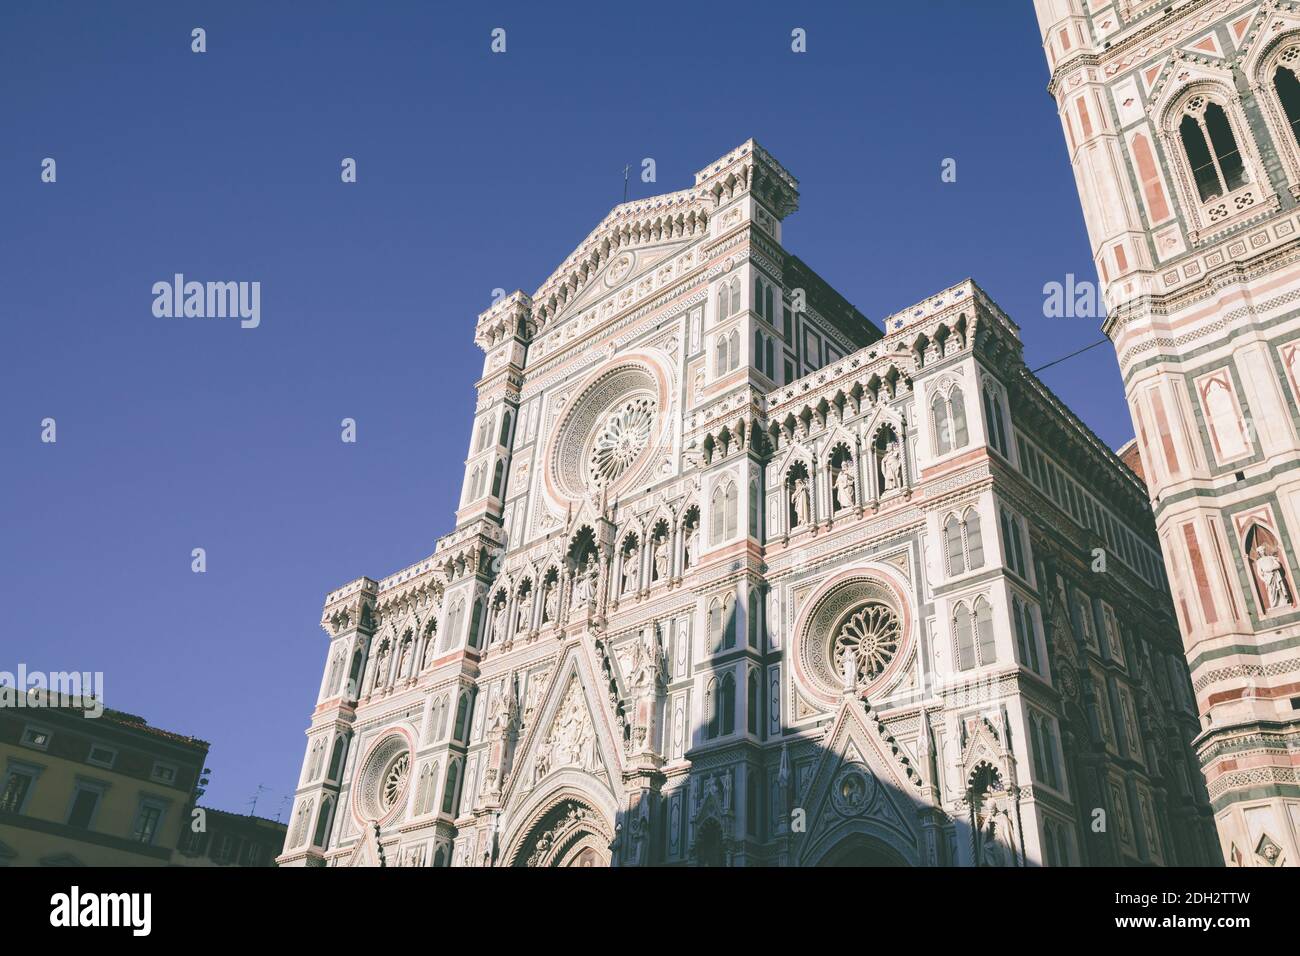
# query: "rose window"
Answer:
x=869 y=638
x=395 y=781
x=620 y=439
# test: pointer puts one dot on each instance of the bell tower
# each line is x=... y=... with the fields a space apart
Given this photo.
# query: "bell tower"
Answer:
x=1181 y=119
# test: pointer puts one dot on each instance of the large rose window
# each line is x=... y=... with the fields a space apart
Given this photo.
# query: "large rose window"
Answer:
x=854 y=634
x=866 y=641
x=621 y=439
x=382 y=783
x=395 y=780
x=609 y=431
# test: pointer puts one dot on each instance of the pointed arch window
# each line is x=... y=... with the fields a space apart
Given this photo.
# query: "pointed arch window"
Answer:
x=449 y=790
x=721 y=356
x=1287 y=88
x=984 y=632
x=321 y=836
x=752 y=703
x=948 y=421
x=727 y=704
x=712 y=725
x=724 y=300
x=997 y=435
x=1211 y=148
x=963 y=630
x=963 y=542
x=1026 y=634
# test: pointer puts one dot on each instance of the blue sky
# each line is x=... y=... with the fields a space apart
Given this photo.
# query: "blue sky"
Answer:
x=476 y=171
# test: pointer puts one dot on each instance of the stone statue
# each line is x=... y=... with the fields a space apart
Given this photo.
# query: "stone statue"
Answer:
x=848 y=668
x=381 y=665
x=404 y=658
x=525 y=617
x=660 y=555
x=499 y=624
x=502 y=716
x=891 y=466
x=584 y=589
x=844 y=487
x=629 y=570
x=801 y=502
x=550 y=601
x=692 y=546
x=1270 y=572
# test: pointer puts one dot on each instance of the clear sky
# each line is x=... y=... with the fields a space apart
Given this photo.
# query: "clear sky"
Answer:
x=475 y=171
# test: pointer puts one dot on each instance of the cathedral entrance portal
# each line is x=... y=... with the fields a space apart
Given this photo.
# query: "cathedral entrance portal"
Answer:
x=570 y=834
x=861 y=850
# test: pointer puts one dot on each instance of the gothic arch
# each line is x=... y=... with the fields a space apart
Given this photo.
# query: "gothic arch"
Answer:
x=545 y=832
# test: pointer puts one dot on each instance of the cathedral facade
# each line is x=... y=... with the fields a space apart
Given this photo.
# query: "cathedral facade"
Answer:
x=1183 y=126
x=739 y=577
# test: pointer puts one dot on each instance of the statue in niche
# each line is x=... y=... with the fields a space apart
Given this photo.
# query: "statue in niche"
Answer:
x=584 y=590
x=848 y=669
x=381 y=665
x=404 y=658
x=891 y=466
x=660 y=555
x=499 y=624
x=550 y=601
x=692 y=546
x=801 y=502
x=629 y=570
x=525 y=616
x=1269 y=569
x=844 y=486
x=430 y=642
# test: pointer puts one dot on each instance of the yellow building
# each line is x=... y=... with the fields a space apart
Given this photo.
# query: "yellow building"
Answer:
x=105 y=791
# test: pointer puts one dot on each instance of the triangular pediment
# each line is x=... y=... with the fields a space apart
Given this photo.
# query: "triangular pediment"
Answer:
x=862 y=785
x=626 y=268
x=574 y=730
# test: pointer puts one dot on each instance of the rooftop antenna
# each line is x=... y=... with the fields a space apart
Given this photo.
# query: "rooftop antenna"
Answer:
x=252 y=809
x=280 y=810
x=626 y=169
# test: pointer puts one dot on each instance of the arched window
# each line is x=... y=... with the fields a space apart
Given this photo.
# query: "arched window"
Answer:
x=769 y=363
x=1026 y=634
x=965 y=638
x=354 y=674
x=735 y=295
x=462 y=717
x=953 y=546
x=321 y=837
x=496 y=479
x=722 y=362
x=727 y=703
x=1014 y=544
x=732 y=506
x=728 y=622
x=993 y=421
x=449 y=789
x=336 y=759
x=758 y=350
x=724 y=301
x=752 y=702
x=974 y=539
x=733 y=351
x=948 y=420
x=753 y=510
x=753 y=617
x=1287 y=88
x=301 y=822
x=476 y=620
x=1211 y=148
x=767 y=303
x=715 y=625
x=453 y=623
x=711 y=722
x=984 y=631
x=506 y=419
x=758 y=295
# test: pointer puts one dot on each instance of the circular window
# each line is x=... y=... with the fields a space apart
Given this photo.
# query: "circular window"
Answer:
x=865 y=642
x=620 y=439
x=608 y=432
x=382 y=782
x=853 y=635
